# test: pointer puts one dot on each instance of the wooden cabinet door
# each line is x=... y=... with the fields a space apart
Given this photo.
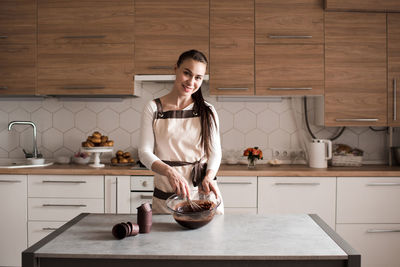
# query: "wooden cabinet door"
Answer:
x=85 y=47
x=87 y=69
x=289 y=21
x=17 y=70
x=393 y=23
x=166 y=28
x=17 y=22
x=13 y=222
x=363 y=5
x=86 y=21
x=289 y=69
x=355 y=69
x=232 y=47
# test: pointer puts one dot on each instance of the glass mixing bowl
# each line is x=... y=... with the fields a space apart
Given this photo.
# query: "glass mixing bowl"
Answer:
x=193 y=217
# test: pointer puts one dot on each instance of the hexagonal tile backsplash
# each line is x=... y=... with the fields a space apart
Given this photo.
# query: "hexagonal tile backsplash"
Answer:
x=63 y=124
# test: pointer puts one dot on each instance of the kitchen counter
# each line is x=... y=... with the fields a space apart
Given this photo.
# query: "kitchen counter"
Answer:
x=225 y=170
x=228 y=240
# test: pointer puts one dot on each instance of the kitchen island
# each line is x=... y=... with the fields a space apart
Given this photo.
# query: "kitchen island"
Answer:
x=228 y=240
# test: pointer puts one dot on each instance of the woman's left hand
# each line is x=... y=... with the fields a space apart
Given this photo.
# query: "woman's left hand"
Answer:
x=208 y=185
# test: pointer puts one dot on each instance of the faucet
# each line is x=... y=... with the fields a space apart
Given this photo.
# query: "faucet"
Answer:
x=35 y=153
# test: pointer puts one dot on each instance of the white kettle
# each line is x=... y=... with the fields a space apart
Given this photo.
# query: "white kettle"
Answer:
x=320 y=151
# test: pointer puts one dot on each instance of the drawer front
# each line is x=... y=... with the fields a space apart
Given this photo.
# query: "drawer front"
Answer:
x=74 y=186
x=379 y=244
x=280 y=195
x=59 y=209
x=138 y=198
x=238 y=191
x=145 y=183
x=39 y=230
x=368 y=200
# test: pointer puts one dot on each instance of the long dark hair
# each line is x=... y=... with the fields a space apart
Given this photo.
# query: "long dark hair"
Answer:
x=207 y=118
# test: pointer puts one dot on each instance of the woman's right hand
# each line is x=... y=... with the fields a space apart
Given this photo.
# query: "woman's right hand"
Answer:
x=178 y=183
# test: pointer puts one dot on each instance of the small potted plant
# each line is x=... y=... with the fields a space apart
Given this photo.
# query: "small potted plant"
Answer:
x=253 y=154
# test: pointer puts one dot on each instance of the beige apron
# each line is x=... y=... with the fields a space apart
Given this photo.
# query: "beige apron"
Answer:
x=177 y=142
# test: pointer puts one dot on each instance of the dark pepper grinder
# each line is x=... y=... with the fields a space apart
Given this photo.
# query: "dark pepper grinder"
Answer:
x=144 y=218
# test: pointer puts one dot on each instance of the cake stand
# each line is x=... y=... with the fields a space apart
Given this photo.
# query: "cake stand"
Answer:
x=97 y=152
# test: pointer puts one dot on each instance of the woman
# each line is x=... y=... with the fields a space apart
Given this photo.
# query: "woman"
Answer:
x=180 y=136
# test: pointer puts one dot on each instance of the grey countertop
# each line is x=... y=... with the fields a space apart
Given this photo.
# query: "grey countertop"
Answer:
x=233 y=237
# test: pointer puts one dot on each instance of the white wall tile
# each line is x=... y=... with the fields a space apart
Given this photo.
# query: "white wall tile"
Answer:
x=19 y=115
x=9 y=140
x=129 y=120
x=74 y=106
x=63 y=120
x=108 y=120
x=245 y=121
x=3 y=120
x=233 y=139
x=279 y=139
x=73 y=139
x=8 y=105
x=52 y=104
x=268 y=121
x=225 y=120
x=85 y=120
x=52 y=139
x=287 y=122
x=121 y=138
x=42 y=119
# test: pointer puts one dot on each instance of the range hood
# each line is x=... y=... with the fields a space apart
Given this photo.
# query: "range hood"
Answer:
x=139 y=79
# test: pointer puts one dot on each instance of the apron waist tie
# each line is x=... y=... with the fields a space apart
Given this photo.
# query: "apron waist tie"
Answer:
x=161 y=194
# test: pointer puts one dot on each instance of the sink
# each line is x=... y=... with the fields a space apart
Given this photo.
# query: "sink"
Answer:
x=21 y=163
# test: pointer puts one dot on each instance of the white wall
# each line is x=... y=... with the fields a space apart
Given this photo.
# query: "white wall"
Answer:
x=64 y=123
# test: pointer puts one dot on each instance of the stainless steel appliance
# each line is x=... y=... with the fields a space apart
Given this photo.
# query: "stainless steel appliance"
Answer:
x=141 y=191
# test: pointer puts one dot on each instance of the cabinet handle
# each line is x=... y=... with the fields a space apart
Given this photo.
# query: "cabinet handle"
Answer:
x=290 y=36
x=146 y=197
x=3 y=87
x=394 y=99
x=290 y=88
x=160 y=67
x=297 y=183
x=383 y=184
x=49 y=228
x=84 y=36
x=383 y=230
x=234 y=182
x=78 y=87
x=10 y=181
x=232 y=88
x=64 y=182
x=344 y=120
x=225 y=46
x=3 y=36
x=64 y=205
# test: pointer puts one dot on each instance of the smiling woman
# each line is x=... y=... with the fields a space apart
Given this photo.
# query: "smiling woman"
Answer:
x=180 y=136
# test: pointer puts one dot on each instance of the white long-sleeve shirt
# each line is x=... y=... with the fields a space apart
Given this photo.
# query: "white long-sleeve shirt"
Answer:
x=146 y=148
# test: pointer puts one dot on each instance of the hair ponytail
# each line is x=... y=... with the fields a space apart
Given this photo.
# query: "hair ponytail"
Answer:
x=207 y=117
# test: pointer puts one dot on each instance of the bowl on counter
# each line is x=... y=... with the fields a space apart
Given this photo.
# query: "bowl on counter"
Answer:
x=80 y=160
x=36 y=161
x=193 y=217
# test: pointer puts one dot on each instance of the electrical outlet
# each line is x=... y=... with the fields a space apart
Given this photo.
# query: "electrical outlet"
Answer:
x=289 y=155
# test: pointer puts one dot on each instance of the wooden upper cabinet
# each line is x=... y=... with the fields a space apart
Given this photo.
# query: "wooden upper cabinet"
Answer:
x=86 y=21
x=85 y=47
x=17 y=22
x=17 y=47
x=232 y=47
x=17 y=69
x=289 y=21
x=355 y=69
x=289 y=69
x=393 y=24
x=363 y=5
x=166 y=28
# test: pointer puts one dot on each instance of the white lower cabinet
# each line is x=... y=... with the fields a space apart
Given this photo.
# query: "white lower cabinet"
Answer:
x=283 y=195
x=239 y=193
x=368 y=217
x=55 y=199
x=117 y=194
x=379 y=244
x=38 y=230
x=13 y=222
